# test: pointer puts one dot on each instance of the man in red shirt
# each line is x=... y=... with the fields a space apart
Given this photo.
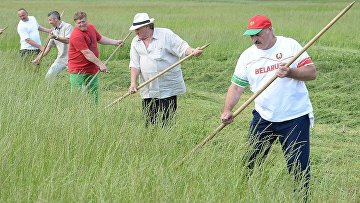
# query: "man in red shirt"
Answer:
x=83 y=54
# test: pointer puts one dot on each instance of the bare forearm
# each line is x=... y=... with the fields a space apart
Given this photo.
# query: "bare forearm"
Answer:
x=134 y=74
x=90 y=56
x=41 y=55
x=107 y=41
x=42 y=29
x=62 y=39
x=305 y=73
x=33 y=43
x=46 y=51
x=232 y=97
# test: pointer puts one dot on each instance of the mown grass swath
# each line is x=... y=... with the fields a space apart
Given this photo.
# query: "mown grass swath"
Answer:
x=57 y=146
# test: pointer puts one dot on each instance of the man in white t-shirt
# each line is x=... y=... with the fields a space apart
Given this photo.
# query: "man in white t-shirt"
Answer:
x=284 y=109
x=59 y=35
x=28 y=29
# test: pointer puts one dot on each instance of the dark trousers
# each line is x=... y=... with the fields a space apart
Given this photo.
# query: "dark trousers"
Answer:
x=155 y=108
x=294 y=138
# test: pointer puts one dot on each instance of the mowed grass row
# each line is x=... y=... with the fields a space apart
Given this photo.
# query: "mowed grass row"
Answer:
x=57 y=146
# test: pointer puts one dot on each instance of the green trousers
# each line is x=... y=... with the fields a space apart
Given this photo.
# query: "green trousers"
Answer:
x=79 y=81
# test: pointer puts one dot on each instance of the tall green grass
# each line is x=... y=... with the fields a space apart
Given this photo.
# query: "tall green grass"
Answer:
x=57 y=146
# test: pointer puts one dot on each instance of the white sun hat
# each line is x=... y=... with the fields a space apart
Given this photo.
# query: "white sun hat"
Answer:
x=141 y=19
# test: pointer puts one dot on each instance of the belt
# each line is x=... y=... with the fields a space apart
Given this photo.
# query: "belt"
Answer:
x=29 y=49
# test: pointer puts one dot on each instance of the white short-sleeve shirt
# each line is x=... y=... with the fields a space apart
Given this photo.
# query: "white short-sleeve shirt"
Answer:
x=28 y=29
x=285 y=98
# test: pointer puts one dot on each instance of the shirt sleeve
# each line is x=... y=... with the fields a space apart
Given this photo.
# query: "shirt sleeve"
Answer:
x=134 y=56
x=303 y=60
x=98 y=36
x=239 y=77
x=177 y=45
x=93 y=29
x=38 y=25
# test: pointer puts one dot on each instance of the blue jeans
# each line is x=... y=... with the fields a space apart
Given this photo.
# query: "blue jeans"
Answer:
x=294 y=136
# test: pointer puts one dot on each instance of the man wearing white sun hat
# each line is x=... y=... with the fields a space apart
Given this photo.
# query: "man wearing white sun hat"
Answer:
x=153 y=50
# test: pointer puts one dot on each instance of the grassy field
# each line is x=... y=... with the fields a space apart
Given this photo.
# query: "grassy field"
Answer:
x=56 y=146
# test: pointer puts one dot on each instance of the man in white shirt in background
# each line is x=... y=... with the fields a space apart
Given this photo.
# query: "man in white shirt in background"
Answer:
x=28 y=29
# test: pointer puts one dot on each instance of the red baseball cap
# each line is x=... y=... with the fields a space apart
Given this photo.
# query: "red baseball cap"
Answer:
x=256 y=24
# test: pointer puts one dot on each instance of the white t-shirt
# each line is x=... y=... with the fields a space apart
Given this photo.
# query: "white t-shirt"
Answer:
x=285 y=98
x=28 y=29
x=165 y=49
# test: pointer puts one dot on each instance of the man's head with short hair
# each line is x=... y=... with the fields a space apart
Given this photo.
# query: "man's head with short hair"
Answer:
x=54 y=18
x=23 y=14
x=80 y=19
x=54 y=14
x=79 y=15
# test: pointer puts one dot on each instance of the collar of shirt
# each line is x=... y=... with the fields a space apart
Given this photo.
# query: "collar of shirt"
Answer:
x=58 y=28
